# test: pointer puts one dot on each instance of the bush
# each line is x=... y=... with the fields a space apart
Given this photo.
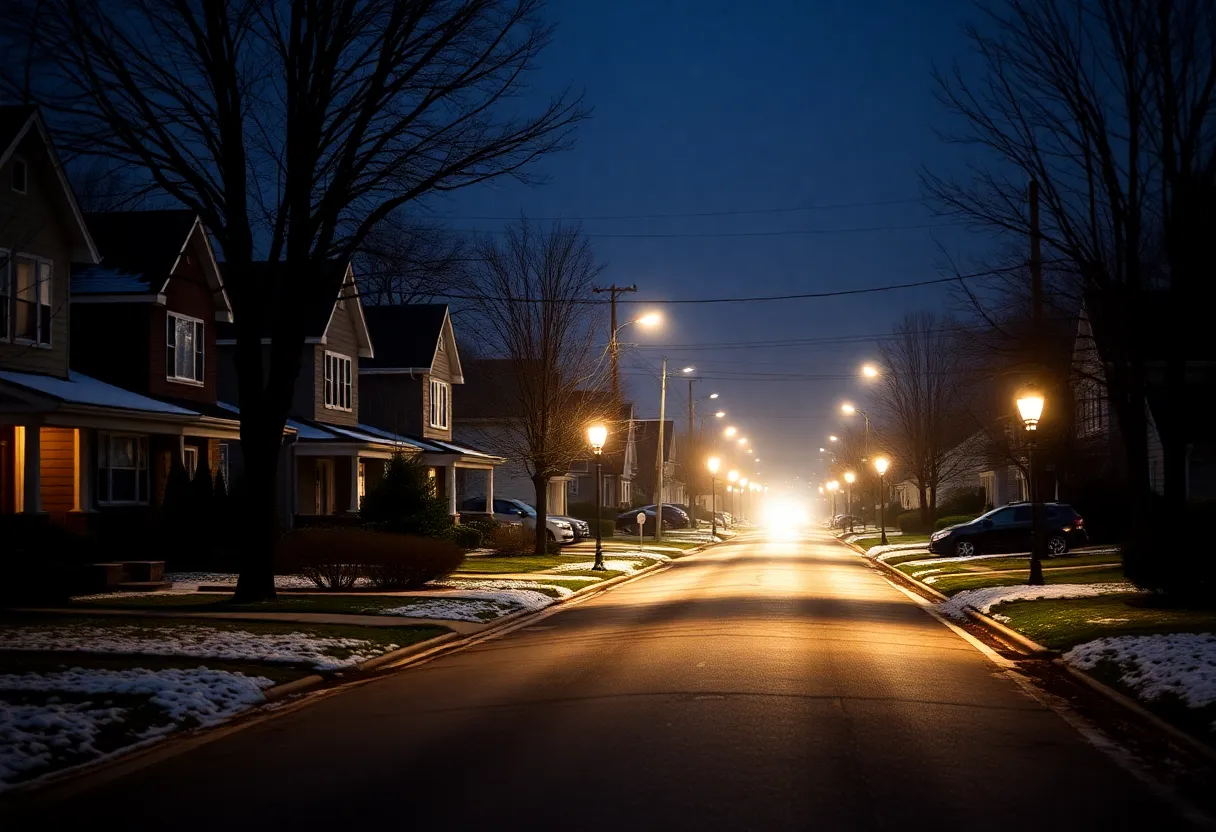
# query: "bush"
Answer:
x=485 y=528
x=943 y=522
x=962 y=501
x=607 y=528
x=464 y=536
x=512 y=540
x=1169 y=561
x=405 y=501
x=909 y=522
x=335 y=558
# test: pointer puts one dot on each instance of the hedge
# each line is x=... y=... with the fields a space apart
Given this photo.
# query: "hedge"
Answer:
x=943 y=522
x=909 y=522
x=335 y=558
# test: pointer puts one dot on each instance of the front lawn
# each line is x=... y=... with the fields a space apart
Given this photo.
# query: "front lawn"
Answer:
x=1060 y=624
x=501 y=565
x=892 y=539
x=947 y=566
x=952 y=584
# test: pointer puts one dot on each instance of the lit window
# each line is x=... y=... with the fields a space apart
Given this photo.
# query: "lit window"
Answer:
x=122 y=468
x=184 y=344
x=338 y=392
x=190 y=460
x=440 y=403
x=25 y=299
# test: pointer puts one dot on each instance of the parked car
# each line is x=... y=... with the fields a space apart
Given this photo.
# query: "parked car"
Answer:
x=673 y=518
x=1009 y=529
x=582 y=529
x=723 y=519
x=517 y=511
x=841 y=521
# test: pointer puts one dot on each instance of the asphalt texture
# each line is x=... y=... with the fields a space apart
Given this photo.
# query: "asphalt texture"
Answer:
x=764 y=684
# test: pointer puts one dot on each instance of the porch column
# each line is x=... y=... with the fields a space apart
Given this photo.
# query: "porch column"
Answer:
x=354 y=484
x=450 y=475
x=84 y=469
x=32 y=458
x=490 y=490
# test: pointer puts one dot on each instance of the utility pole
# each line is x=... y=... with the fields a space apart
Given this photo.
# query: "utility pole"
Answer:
x=614 y=354
x=658 y=502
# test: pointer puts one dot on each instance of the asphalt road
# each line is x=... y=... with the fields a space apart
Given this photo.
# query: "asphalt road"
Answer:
x=762 y=685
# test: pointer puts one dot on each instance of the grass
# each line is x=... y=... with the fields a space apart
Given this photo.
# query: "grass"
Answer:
x=28 y=661
x=896 y=560
x=893 y=539
x=501 y=565
x=589 y=573
x=952 y=584
x=1060 y=624
x=999 y=564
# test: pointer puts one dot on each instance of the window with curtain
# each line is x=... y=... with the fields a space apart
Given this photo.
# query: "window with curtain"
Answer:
x=184 y=345
x=122 y=469
x=25 y=299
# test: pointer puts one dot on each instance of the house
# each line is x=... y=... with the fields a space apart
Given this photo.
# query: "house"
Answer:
x=646 y=442
x=618 y=462
x=76 y=449
x=406 y=391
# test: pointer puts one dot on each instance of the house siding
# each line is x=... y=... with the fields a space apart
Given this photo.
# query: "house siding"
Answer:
x=35 y=224
x=189 y=294
x=57 y=468
x=340 y=338
x=441 y=370
x=393 y=402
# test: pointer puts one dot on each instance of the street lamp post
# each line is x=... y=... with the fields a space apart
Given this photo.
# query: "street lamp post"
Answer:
x=731 y=477
x=597 y=435
x=1030 y=409
x=833 y=486
x=849 y=410
x=881 y=465
x=714 y=464
x=850 y=478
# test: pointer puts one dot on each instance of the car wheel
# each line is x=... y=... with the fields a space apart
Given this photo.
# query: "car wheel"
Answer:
x=964 y=549
x=552 y=537
x=1057 y=545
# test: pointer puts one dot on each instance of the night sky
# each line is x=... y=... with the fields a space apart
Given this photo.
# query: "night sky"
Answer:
x=713 y=107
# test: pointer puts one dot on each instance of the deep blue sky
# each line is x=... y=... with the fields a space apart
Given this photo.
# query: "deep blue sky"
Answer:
x=727 y=106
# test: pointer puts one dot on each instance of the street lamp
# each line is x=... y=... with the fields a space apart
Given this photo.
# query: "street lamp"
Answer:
x=713 y=464
x=850 y=478
x=869 y=371
x=720 y=414
x=597 y=435
x=880 y=465
x=833 y=438
x=833 y=486
x=730 y=431
x=742 y=440
x=849 y=410
x=1030 y=409
x=650 y=319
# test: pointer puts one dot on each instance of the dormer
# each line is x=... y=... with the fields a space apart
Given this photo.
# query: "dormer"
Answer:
x=146 y=316
x=408 y=385
x=42 y=232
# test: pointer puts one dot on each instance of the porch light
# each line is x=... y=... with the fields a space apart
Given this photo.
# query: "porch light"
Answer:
x=597 y=435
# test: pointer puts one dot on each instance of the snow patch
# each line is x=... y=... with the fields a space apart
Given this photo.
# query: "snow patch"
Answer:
x=1183 y=664
x=925 y=572
x=475 y=605
x=986 y=598
x=615 y=565
x=885 y=553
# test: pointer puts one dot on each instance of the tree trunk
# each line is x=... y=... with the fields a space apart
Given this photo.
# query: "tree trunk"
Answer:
x=260 y=450
x=924 y=504
x=540 y=484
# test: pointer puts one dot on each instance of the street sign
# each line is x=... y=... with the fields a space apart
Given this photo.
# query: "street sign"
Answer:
x=641 y=518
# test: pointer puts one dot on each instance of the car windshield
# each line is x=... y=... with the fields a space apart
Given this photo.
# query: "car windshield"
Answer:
x=524 y=507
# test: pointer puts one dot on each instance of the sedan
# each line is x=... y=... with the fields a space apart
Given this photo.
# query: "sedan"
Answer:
x=581 y=528
x=1009 y=529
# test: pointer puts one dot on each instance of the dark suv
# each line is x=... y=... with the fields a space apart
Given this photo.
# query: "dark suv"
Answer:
x=1008 y=529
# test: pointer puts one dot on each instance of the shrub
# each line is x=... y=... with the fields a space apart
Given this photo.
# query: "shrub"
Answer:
x=962 y=501
x=398 y=561
x=405 y=501
x=1167 y=560
x=464 y=536
x=485 y=528
x=910 y=523
x=943 y=522
x=327 y=557
x=512 y=540
x=607 y=528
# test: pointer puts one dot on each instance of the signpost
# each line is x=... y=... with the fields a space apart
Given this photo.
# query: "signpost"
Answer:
x=641 y=522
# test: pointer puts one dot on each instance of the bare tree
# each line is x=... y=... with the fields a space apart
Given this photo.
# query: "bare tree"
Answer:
x=538 y=313
x=920 y=401
x=293 y=129
x=1110 y=105
x=411 y=261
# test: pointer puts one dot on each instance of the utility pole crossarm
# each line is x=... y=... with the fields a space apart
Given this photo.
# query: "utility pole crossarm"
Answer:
x=614 y=353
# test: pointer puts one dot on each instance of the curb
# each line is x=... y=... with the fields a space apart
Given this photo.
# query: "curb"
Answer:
x=403 y=652
x=906 y=580
x=295 y=686
x=1177 y=734
x=1008 y=635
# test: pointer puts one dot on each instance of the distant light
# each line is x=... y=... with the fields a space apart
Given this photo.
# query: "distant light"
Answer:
x=732 y=476
x=650 y=319
x=833 y=439
x=848 y=408
x=730 y=431
x=850 y=477
x=823 y=450
x=690 y=369
x=742 y=440
x=881 y=464
x=714 y=463
x=720 y=414
x=713 y=395
x=869 y=371
x=750 y=451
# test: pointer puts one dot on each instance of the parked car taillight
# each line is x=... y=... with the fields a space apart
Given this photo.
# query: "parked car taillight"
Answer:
x=1080 y=522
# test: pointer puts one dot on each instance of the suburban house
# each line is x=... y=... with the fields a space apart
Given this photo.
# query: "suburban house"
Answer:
x=78 y=449
x=646 y=442
x=619 y=463
x=406 y=392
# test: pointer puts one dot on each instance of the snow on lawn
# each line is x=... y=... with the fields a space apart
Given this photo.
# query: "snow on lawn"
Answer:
x=39 y=732
x=895 y=550
x=192 y=580
x=1183 y=664
x=985 y=598
x=1026 y=555
x=504 y=583
x=615 y=565
x=477 y=605
x=196 y=640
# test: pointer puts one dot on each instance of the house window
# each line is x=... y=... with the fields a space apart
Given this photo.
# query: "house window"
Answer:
x=25 y=299
x=190 y=460
x=337 y=382
x=579 y=466
x=122 y=469
x=183 y=349
x=440 y=403
x=626 y=495
x=20 y=180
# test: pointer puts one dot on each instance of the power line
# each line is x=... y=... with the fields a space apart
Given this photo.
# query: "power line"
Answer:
x=720 y=234
x=676 y=214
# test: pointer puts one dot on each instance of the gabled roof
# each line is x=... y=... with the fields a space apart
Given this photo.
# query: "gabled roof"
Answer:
x=407 y=338
x=319 y=315
x=16 y=122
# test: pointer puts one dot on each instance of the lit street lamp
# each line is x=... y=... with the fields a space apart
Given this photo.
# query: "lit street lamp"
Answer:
x=730 y=431
x=597 y=435
x=833 y=438
x=720 y=414
x=880 y=465
x=849 y=410
x=1030 y=409
x=833 y=486
x=869 y=371
x=850 y=478
x=713 y=464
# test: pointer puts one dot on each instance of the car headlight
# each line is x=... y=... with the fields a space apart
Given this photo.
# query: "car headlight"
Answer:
x=939 y=535
x=561 y=524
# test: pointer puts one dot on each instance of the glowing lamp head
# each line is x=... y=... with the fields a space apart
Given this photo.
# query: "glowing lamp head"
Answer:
x=713 y=395
x=688 y=370
x=720 y=414
x=848 y=408
x=750 y=451
x=650 y=319
x=869 y=371
x=881 y=464
x=713 y=465
x=732 y=476
x=1030 y=407
x=833 y=438
x=730 y=431
x=597 y=435
x=850 y=477
x=821 y=489
x=742 y=440
x=833 y=485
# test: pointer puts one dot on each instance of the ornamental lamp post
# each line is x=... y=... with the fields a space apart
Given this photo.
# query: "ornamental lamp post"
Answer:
x=597 y=435
x=713 y=464
x=881 y=465
x=850 y=478
x=833 y=486
x=1030 y=408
